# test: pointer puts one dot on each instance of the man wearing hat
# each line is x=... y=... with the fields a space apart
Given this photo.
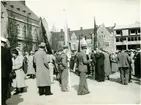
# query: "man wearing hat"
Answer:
x=6 y=67
x=42 y=71
x=82 y=68
x=63 y=66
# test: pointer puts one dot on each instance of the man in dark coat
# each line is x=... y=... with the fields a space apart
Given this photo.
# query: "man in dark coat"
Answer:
x=138 y=64
x=124 y=64
x=82 y=68
x=99 y=74
x=6 y=67
x=93 y=64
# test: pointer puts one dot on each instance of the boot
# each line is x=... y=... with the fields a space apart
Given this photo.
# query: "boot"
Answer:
x=17 y=91
x=41 y=91
x=50 y=90
x=47 y=90
x=21 y=90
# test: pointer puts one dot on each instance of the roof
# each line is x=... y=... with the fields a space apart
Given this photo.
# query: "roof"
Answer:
x=136 y=25
x=83 y=33
x=110 y=29
x=19 y=8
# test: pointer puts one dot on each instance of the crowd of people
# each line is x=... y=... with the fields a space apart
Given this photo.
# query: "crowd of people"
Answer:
x=45 y=66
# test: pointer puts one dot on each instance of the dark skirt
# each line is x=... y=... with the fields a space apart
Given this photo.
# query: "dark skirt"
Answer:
x=83 y=87
x=100 y=75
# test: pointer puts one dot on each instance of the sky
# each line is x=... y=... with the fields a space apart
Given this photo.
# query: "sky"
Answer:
x=81 y=13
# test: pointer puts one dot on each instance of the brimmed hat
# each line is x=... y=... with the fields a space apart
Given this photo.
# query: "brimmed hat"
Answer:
x=3 y=39
x=65 y=46
x=42 y=45
x=84 y=46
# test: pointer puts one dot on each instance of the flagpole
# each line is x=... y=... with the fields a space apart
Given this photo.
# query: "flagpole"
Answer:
x=65 y=28
x=95 y=35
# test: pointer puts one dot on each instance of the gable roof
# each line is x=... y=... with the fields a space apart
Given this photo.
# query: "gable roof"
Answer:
x=19 y=7
x=83 y=33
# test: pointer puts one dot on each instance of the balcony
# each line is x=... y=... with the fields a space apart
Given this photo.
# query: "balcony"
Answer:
x=128 y=43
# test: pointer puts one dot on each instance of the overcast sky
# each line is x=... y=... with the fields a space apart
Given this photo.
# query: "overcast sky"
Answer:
x=80 y=13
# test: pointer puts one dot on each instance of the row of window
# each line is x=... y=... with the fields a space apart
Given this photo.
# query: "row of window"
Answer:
x=130 y=31
x=129 y=39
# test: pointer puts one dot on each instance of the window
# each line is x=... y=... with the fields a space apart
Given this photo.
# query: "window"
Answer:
x=18 y=9
x=11 y=6
x=129 y=39
x=117 y=39
x=24 y=30
x=139 y=38
x=138 y=30
x=18 y=27
x=132 y=38
x=136 y=38
x=132 y=31
x=118 y=32
x=24 y=11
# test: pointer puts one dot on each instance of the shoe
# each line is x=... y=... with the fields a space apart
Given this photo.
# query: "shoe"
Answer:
x=126 y=84
x=49 y=94
x=16 y=93
x=41 y=94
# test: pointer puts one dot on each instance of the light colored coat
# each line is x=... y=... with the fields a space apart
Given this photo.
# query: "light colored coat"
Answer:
x=19 y=81
x=42 y=68
x=50 y=59
x=30 y=69
x=107 y=66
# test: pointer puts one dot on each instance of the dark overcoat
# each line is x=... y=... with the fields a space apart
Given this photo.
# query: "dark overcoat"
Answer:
x=100 y=75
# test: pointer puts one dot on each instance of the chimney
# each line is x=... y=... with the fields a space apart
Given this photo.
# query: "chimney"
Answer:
x=23 y=2
x=61 y=30
x=81 y=28
x=114 y=24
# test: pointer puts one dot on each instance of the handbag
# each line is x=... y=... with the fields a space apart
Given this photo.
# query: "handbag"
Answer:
x=13 y=75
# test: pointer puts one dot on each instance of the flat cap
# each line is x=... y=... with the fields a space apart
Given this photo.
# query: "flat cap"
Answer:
x=42 y=44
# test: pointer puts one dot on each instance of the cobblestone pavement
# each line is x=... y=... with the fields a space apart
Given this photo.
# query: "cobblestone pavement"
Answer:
x=108 y=92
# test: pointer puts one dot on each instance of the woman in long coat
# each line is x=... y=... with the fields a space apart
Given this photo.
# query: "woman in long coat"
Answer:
x=25 y=62
x=19 y=81
x=42 y=71
x=114 y=62
x=99 y=74
x=31 y=70
x=107 y=66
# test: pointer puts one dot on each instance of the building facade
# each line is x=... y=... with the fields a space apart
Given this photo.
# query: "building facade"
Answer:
x=23 y=26
x=128 y=37
x=105 y=37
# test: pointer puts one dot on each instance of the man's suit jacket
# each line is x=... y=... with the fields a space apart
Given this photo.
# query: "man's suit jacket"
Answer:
x=123 y=60
x=6 y=62
x=82 y=62
x=63 y=62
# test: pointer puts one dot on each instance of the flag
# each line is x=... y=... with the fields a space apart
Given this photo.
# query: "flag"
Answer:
x=66 y=29
x=79 y=44
x=95 y=35
x=44 y=34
